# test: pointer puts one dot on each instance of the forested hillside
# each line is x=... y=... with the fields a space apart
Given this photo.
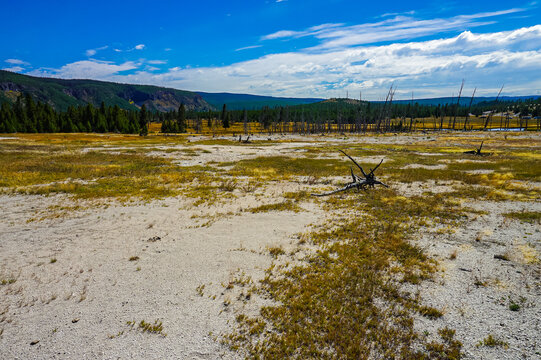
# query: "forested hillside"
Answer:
x=29 y=116
x=61 y=94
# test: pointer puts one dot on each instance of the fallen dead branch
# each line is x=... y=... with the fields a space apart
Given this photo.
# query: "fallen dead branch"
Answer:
x=477 y=151
x=358 y=182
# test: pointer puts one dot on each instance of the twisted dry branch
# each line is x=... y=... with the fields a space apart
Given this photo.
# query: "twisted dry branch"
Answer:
x=357 y=182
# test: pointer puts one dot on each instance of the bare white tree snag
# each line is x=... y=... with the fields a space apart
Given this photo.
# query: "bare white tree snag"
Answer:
x=358 y=182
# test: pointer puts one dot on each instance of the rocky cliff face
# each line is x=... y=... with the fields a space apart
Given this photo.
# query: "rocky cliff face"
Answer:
x=167 y=101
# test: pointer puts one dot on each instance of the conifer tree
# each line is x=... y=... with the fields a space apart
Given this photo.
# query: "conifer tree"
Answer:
x=181 y=121
x=225 y=121
x=143 y=117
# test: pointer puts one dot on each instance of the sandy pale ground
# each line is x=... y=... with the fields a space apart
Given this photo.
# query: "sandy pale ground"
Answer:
x=73 y=305
x=475 y=289
x=76 y=287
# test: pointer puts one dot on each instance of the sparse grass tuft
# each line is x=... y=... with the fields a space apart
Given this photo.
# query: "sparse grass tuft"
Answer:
x=279 y=206
x=276 y=251
x=492 y=341
x=514 y=306
x=7 y=281
x=200 y=289
x=146 y=327
x=430 y=312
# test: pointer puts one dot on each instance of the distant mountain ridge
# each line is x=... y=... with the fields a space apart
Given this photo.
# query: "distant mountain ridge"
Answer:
x=62 y=93
x=252 y=102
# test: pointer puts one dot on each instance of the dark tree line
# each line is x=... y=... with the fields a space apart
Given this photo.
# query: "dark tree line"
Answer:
x=172 y=121
x=28 y=116
x=355 y=116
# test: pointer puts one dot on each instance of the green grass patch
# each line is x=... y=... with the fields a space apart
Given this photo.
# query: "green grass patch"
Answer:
x=93 y=174
x=492 y=341
x=287 y=205
x=146 y=327
x=525 y=216
x=283 y=167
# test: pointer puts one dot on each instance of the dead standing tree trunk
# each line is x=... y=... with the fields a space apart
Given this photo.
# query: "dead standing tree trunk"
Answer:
x=358 y=182
x=469 y=108
x=489 y=117
x=458 y=103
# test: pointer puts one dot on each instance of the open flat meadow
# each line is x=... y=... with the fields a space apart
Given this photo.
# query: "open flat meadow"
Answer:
x=201 y=247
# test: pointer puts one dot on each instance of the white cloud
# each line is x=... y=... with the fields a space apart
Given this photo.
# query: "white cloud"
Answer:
x=157 y=62
x=399 y=27
x=248 y=47
x=92 y=52
x=87 y=69
x=16 y=69
x=281 y=34
x=429 y=68
x=16 y=62
x=396 y=14
x=140 y=47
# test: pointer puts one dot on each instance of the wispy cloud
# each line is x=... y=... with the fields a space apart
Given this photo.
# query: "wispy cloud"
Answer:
x=16 y=65
x=411 y=12
x=282 y=34
x=399 y=27
x=87 y=69
x=92 y=52
x=349 y=58
x=157 y=62
x=16 y=69
x=136 y=47
x=312 y=31
x=16 y=62
x=249 y=47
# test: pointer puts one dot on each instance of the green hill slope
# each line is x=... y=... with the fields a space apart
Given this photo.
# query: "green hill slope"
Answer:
x=61 y=93
x=252 y=102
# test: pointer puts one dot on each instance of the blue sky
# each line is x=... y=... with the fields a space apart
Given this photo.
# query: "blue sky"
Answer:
x=282 y=48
